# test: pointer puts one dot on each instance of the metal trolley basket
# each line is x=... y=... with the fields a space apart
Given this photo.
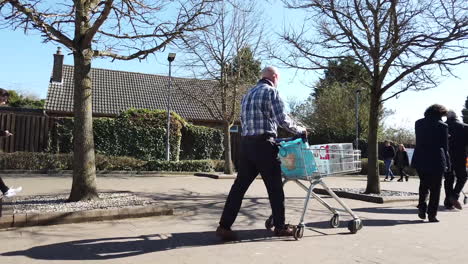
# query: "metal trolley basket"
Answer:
x=301 y=162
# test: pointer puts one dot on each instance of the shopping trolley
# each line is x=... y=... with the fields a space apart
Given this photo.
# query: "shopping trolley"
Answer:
x=301 y=162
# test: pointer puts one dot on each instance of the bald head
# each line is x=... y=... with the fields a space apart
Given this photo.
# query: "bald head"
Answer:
x=451 y=115
x=271 y=73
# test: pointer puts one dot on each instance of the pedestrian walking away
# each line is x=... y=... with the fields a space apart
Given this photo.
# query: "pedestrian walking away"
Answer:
x=431 y=159
x=6 y=191
x=262 y=111
x=458 y=142
x=401 y=162
x=388 y=154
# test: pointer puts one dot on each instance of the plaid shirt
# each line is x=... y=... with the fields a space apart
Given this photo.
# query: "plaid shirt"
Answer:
x=262 y=110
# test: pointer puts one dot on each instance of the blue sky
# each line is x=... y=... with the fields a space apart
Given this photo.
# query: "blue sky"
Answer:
x=26 y=64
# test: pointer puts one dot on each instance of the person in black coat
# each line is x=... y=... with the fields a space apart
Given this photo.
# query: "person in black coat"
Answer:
x=431 y=159
x=458 y=142
x=388 y=154
x=402 y=161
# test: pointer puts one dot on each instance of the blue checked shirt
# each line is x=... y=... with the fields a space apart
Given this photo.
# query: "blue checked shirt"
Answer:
x=262 y=110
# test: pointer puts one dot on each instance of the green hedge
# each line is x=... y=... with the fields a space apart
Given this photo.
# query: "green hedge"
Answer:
x=364 y=164
x=199 y=143
x=35 y=161
x=137 y=133
x=49 y=161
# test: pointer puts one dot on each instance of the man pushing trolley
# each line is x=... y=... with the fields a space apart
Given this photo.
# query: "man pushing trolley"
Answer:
x=262 y=111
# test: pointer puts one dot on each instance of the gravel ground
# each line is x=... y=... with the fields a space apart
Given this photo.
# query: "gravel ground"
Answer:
x=57 y=203
x=383 y=193
x=108 y=200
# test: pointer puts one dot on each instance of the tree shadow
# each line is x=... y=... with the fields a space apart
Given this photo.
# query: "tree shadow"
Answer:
x=120 y=247
x=189 y=205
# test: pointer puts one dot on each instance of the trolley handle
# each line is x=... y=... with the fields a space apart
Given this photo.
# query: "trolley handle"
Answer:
x=303 y=136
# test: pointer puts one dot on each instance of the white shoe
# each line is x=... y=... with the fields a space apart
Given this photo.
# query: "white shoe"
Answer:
x=13 y=191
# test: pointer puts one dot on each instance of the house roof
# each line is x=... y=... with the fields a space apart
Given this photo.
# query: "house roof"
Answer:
x=117 y=91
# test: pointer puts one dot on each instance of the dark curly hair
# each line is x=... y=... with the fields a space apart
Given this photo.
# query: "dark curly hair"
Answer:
x=436 y=111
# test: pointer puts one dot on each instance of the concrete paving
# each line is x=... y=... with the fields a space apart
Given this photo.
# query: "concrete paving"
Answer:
x=392 y=233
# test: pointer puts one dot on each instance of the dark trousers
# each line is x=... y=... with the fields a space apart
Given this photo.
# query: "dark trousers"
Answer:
x=402 y=172
x=459 y=172
x=257 y=156
x=3 y=187
x=429 y=185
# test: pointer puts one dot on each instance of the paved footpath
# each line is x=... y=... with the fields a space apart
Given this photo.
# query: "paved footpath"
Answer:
x=392 y=232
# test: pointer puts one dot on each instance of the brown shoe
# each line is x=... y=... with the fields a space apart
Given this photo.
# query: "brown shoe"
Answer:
x=287 y=230
x=226 y=234
x=456 y=204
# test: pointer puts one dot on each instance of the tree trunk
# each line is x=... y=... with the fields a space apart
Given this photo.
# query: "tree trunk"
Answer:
x=228 y=166
x=373 y=180
x=84 y=167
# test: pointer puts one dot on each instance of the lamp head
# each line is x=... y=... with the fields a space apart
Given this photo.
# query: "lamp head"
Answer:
x=171 y=57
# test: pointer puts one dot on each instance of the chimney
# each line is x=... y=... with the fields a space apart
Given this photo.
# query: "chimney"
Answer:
x=58 y=65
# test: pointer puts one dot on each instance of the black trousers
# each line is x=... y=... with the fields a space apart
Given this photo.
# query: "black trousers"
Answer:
x=3 y=187
x=459 y=172
x=257 y=156
x=429 y=185
x=402 y=172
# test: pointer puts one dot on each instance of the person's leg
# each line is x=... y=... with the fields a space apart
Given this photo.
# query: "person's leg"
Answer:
x=448 y=187
x=423 y=193
x=449 y=179
x=402 y=174
x=270 y=170
x=3 y=187
x=245 y=176
x=435 y=184
x=390 y=172
x=461 y=175
x=387 y=167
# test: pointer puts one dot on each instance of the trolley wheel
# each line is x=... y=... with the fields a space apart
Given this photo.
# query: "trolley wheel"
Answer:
x=335 y=221
x=269 y=223
x=354 y=225
x=465 y=200
x=298 y=232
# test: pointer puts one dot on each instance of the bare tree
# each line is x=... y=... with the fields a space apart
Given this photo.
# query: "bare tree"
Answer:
x=401 y=44
x=225 y=53
x=120 y=29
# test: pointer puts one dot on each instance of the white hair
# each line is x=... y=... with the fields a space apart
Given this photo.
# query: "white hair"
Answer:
x=451 y=114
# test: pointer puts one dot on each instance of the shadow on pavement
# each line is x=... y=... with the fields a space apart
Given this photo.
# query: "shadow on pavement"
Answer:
x=120 y=247
x=366 y=222
x=387 y=210
x=392 y=210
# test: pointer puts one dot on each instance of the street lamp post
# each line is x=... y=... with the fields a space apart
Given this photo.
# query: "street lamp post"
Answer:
x=170 y=58
x=358 y=91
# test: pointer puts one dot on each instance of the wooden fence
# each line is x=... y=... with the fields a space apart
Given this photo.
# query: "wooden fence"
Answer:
x=30 y=131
